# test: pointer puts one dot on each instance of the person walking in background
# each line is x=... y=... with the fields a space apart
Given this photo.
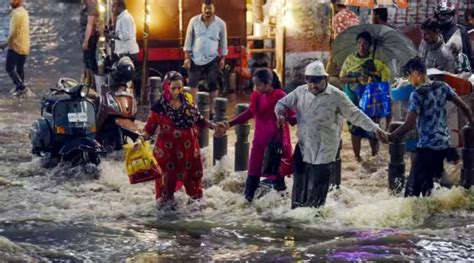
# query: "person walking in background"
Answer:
x=380 y=16
x=267 y=92
x=125 y=32
x=318 y=106
x=343 y=18
x=427 y=109
x=18 y=43
x=354 y=74
x=469 y=17
x=205 y=49
x=88 y=20
x=432 y=49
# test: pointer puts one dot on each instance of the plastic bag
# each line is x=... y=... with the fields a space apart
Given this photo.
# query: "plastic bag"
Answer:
x=272 y=155
x=375 y=100
x=140 y=163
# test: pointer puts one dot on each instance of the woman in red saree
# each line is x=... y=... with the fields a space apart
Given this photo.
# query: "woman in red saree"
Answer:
x=176 y=147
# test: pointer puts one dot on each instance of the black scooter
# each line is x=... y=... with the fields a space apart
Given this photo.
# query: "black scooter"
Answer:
x=67 y=127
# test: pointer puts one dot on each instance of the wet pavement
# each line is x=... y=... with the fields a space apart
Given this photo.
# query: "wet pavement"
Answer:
x=90 y=213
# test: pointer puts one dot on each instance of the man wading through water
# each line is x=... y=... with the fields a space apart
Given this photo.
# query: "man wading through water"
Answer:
x=318 y=106
x=427 y=108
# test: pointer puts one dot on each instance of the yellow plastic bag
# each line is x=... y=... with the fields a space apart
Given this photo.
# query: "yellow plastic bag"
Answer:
x=140 y=163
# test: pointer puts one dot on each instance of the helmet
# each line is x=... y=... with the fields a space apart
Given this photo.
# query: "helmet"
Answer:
x=444 y=12
x=123 y=71
x=315 y=68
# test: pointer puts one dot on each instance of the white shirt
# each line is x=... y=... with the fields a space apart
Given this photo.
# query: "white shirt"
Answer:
x=204 y=42
x=318 y=121
x=126 y=31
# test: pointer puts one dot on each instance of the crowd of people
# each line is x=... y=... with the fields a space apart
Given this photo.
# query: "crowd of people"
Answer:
x=316 y=108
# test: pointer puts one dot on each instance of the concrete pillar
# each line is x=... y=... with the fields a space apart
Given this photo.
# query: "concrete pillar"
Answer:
x=467 y=171
x=242 y=144
x=202 y=102
x=156 y=89
x=220 y=144
x=396 y=167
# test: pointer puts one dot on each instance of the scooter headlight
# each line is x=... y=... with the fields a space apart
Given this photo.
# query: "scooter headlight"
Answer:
x=84 y=91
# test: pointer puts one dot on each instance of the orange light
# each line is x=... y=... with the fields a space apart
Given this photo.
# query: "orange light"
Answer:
x=60 y=130
x=93 y=128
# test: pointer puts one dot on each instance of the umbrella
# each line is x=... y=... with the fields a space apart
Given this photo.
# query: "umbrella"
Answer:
x=393 y=48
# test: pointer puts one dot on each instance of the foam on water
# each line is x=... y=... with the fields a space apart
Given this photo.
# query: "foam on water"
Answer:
x=71 y=193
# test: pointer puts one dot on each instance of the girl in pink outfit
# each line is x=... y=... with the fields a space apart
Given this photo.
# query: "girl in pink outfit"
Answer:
x=262 y=105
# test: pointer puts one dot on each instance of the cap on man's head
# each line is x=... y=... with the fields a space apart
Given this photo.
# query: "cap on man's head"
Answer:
x=208 y=2
x=315 y=68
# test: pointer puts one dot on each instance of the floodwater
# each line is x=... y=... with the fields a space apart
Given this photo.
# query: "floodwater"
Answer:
x=93 y=214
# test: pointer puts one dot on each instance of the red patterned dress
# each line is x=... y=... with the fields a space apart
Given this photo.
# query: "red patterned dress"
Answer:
x=177 y=148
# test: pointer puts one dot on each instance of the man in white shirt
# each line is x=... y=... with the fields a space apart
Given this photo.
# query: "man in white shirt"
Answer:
x=318 y=106
x=125 y=31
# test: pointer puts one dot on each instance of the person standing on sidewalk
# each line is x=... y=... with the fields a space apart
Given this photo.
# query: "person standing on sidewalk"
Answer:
x=125 y=34
x=18 y=43
x=205 y=49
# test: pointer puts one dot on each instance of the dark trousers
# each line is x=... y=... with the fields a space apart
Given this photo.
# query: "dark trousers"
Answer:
x=427 y=165
x=310 y=182
x=14 y=67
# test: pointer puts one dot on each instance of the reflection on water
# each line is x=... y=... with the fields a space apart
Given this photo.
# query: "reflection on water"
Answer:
x=89 y=213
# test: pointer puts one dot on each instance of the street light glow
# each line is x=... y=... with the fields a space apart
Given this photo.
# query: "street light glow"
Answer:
x=101 y=8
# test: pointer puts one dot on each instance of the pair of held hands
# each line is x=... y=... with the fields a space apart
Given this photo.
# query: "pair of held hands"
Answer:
x=220 y=128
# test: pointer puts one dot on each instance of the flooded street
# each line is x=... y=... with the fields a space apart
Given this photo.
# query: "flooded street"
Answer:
x=92 y=213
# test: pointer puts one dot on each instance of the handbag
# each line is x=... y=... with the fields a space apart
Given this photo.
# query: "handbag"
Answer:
x=273 y=154
x=375 y=100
